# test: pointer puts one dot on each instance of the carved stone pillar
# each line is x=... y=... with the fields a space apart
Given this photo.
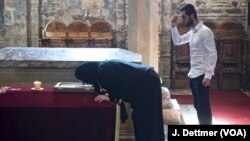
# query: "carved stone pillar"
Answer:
x=143 y=30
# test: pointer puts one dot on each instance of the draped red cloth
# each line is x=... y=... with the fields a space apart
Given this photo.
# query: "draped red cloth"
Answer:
x=46 y=115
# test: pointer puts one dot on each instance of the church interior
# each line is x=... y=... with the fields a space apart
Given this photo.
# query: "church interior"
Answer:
x=46 y=39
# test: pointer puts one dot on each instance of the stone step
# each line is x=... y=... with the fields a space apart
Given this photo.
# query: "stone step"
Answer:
x=173 y=114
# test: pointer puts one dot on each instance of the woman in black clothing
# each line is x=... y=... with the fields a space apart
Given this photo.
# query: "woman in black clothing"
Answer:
x=136 y=84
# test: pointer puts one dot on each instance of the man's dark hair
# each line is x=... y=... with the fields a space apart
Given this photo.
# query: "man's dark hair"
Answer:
x=189 y=9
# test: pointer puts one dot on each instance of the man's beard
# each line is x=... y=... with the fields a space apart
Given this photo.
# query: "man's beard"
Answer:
x=190 y=23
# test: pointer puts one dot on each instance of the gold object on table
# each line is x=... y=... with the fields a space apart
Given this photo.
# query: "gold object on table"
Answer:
x=37 y=85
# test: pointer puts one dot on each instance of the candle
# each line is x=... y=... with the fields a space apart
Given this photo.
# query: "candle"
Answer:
x=37 y=84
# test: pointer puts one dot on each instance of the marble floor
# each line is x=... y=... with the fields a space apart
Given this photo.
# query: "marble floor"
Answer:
x=189 y=115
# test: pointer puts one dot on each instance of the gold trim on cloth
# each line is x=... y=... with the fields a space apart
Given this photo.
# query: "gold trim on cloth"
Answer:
x=117 y=122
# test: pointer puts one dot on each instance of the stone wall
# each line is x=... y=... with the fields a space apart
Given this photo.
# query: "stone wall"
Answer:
x=68 y=10
x=1 y=23
x=22 y=21
x=15 y=23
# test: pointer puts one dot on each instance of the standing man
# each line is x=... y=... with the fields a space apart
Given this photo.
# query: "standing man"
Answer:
x=203 y=58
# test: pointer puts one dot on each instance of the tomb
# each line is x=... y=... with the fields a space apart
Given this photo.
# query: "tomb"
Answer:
x=22 y=65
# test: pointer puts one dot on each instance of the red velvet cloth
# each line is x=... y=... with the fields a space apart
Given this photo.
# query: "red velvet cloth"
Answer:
x=46 y=115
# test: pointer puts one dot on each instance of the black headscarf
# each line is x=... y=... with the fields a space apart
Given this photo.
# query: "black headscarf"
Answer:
x=87 y=72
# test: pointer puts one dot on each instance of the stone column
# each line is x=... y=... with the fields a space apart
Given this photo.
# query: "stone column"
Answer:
x=165 y=43
x=143 y=30
x=33 y=25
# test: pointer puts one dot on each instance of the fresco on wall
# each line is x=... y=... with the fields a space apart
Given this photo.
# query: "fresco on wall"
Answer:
x=15 y=16
x=213 y=6
x=219 y=10
x=92 y=4
x=67 y=11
